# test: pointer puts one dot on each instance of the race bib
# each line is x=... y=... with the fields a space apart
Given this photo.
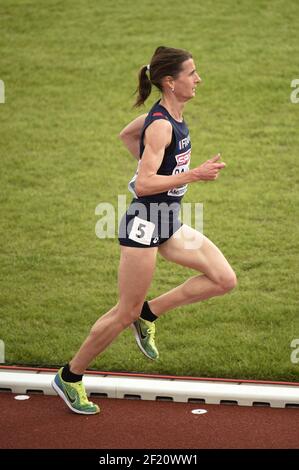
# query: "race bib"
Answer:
x=142 y=231
x=182 y=165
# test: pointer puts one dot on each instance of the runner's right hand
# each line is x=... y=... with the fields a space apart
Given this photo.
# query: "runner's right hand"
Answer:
x=208 y=170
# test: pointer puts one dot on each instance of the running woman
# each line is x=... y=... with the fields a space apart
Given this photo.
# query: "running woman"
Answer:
x=161 y=142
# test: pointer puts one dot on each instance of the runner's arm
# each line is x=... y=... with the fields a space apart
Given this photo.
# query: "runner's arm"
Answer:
x=157 y=138
x=131 y=135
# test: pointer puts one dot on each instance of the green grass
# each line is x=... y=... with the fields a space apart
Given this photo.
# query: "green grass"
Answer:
x=69 y=70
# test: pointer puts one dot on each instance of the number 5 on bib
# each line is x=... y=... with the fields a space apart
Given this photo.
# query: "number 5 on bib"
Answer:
x=142 y=231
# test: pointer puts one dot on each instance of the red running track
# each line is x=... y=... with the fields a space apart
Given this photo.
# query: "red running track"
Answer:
x=44 y=422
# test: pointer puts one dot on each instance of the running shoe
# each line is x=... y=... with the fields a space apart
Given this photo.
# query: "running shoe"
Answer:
x=74 y=395
x=144 y=332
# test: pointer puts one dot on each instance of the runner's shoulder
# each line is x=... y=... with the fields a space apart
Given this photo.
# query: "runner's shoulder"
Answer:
x=160 y=125
x=159 y=133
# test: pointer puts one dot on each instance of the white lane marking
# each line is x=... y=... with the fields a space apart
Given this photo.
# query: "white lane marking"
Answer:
x=21 y=397
x=199 y=412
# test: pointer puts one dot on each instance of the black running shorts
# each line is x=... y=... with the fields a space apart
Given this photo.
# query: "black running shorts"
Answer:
x=148 y=224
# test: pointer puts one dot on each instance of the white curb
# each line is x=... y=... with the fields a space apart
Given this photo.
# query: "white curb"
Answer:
x=243 y=394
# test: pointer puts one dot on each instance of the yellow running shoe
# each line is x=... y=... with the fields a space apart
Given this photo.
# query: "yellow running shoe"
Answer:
x=144 y=332
x=74 y=395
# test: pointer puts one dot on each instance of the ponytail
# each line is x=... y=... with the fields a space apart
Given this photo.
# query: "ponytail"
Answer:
x=144 y=87
x=165 y=61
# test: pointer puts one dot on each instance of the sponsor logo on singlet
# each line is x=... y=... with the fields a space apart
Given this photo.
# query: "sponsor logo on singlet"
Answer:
x=182 y=165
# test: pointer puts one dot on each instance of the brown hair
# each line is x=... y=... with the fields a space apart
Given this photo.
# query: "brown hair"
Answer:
x=165 y=61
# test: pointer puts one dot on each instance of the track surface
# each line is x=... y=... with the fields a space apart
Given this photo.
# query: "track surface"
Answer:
x=44 y=422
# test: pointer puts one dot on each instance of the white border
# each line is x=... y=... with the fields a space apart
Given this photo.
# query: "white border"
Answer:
x=244 y=394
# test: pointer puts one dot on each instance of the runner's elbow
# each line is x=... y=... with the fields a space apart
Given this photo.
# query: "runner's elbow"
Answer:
x=141 y=188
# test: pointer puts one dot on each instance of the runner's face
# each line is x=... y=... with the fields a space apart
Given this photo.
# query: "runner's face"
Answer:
x=186 y=82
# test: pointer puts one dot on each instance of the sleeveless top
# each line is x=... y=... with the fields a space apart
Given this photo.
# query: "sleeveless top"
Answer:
x=176 y=157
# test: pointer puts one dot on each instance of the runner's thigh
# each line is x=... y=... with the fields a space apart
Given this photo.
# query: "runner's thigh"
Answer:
x=136 y=269
x=192 y=249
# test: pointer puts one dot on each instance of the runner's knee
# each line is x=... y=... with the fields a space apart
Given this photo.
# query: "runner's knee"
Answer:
x=227 y=281
x=127 y=314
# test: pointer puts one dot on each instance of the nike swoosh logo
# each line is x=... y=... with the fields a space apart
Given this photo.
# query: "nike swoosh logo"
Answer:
x=141 y=334
x=72 y=400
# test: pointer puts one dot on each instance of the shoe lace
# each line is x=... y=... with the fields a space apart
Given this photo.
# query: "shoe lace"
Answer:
x=82 y=394
x=151 y=330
